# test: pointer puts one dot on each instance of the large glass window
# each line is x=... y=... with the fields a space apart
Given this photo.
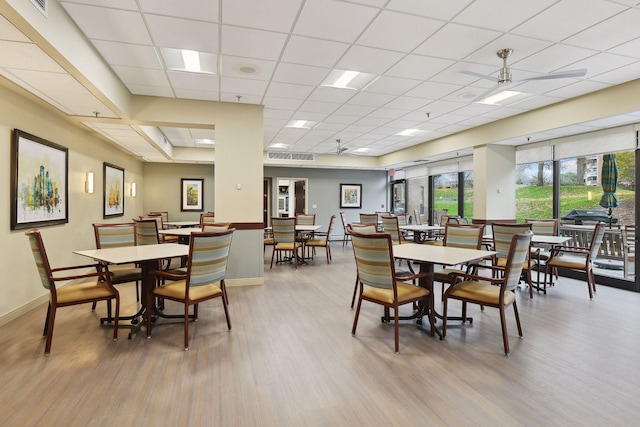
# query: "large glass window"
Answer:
x=416 y=197
x=468 y=194
x=398 y=197
x=445 y=193
x=534 y=191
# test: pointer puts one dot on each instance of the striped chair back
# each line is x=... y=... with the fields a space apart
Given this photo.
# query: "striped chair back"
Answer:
x=370 y=228
x=374 y=259
x=284 y=230
x=114 y=235
x=502 y=234
x=463 y=236
x=163 y=214
x=543 y=227
x=208 y=218
x=306 y=219
x=391 y=227
x=402 y=219
x=40 y=257
x=146 y=232
x=517 y=255
x=368 y=218
x=417 y=217
x=156 y=218
x=208 y=255
x=216 y=227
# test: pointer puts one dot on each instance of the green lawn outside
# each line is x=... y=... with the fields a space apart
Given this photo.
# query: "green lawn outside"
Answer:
x=534 y=201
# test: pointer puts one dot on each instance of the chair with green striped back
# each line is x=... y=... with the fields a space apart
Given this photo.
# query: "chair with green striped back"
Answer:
x=369 y=219
x=118 y=236
x=495 y=292
x=577 y=258
x=390 y=226
x=86 y=287
x=205 y=279
x=459 y=236
x=284 y=238
x=378 y=282
x=502 y=233
x=362 y=228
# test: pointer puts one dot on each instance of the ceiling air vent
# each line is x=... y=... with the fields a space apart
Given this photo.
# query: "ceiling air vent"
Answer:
x=41 y=5
x=275 y=155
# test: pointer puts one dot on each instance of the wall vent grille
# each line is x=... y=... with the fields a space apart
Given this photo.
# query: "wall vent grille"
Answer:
x=283 y=155
x=41 y=5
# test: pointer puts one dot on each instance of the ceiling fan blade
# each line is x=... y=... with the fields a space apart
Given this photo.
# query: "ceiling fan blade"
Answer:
x=480 y=76
x=557 y=75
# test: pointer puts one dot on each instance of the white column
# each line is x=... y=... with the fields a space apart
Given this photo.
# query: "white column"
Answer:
x=494 y=182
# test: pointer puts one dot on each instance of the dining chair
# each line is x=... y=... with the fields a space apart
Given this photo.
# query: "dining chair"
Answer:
x=207 y=218
x=369 y=228
x=459 y=236
x=163 y=214
x=119 y=235
x=347 y=234
x=417 y=217
x=391 y=226
x=502 y=233
x=542 y=227
x=159 y=218
x=82 y=288
x=629 y=253
x=205 y=279
x=494 y=291
x=147 y=234
x=577 y=258
x=306 y=219
x=369 y=218
x=378 y=282
x=216 y=227
x=321 y=240
x=284 y=238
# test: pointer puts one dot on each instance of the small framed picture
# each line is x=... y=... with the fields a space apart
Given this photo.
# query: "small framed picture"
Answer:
x=350 y=195
x=192 y=195
x=113 y=191
x=39 y=182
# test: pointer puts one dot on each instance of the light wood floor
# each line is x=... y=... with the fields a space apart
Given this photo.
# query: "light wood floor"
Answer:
x=290 y=360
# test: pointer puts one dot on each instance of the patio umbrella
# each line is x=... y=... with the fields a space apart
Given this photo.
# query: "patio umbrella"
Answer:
x=609 y=178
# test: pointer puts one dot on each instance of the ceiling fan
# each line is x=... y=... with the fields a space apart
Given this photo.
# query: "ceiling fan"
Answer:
x=504 y=77
x=340 y=149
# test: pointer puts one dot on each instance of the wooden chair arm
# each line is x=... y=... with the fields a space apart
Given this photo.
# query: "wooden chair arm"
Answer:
x=167 y=275
x=456 y=276
x=569 y=249
x=79 y=276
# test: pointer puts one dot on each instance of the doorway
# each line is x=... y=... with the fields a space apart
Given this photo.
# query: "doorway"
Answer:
x=292 y=196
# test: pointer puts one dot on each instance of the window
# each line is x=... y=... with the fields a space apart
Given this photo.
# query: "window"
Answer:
x=534 y=191
x=445 y=192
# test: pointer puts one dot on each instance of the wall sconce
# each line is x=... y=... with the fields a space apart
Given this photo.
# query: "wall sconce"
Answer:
x=133 y=189
x=88 y=184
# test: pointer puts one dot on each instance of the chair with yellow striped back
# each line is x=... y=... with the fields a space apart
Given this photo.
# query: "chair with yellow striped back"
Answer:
x=284 y=238
x=378 y=282
x=369 y=219
x=159 y=218
x=542 y=227
x=577 y=258
x=205 y=280
x=367 y=228
x=459 y=236
x=118 y=236
x=390 y=226
x=87 y=287
x=493 y=292
x=502 y=233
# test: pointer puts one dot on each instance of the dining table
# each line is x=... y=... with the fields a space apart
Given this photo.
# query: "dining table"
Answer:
x=427 y=256
x=148 y=257
x=421 y=231
x=181 y=224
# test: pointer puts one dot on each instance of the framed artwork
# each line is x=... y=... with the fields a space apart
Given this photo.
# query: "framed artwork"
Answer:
x=192 y=195
x=350 y=195
x=39 y=182
x=113 y=190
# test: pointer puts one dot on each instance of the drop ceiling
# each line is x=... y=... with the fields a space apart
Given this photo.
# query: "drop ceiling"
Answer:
x=277 y=53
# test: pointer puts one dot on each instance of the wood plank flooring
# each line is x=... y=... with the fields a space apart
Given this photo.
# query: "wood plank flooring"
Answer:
x=290 y=360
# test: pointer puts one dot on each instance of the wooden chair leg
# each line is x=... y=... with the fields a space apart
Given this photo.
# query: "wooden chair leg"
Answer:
x=186 y=327
x=505 y=337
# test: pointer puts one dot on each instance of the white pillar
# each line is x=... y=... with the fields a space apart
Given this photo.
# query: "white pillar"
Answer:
x=494 y=182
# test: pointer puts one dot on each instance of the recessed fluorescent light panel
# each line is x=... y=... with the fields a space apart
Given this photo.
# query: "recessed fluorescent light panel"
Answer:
x=300 y=124
x=278 y=145
x=204 y=141
x=361 y=150
x=499 y=97
x=411 y=132
x=190 y=61
x=345 y=79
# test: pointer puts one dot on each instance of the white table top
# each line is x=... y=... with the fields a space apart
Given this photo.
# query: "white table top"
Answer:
x=129 y=254
x=421 y=227
x=303 y=227
x=182 y=223
x=538 y=239
x=180 y=231
x=445 y=255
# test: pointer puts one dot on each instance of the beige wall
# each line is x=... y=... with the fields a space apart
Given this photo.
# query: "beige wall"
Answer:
x=21 y=289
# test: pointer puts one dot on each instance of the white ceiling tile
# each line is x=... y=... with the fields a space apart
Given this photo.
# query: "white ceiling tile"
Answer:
x=244 y=99
x=309 y=51
x=430 y=90
x=344 y=119
x=500 y=15
x=455 y=41
x=371 y=99
x=355 y=110
x=109 y=24
x=392 y=85
x=407 y=103
x=368 y=60
x=610 y=33
x=418 y=67
x=331 y=94
x=11 y=33
x=287 y=90
x=300 y=74
x=630 y=48
x=415 y=30
x=200 y=94
x=26 y=56
x=577 y=89
x=620 y=75
x=281 y=104
x=180 y=33
x=131 y=55
x=249 y=43
x=146 y=90
x=114 y=4
x=194 y=81
x=272 y=15
x=141 y=76
x=387 y=113
x=522 y=48
x=318 y=107
x=430 y=8
x=333 y=20
x=197 y=10
x=243 y=86
x=551 y=59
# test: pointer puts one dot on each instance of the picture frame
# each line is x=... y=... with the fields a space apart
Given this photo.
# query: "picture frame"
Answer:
x=192 y=195
x=113 y=190
x=351 y=196
x=39 y=182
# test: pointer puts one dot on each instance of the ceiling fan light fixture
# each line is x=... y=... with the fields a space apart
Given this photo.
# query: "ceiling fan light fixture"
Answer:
x=497 y=98
x=347 y=79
